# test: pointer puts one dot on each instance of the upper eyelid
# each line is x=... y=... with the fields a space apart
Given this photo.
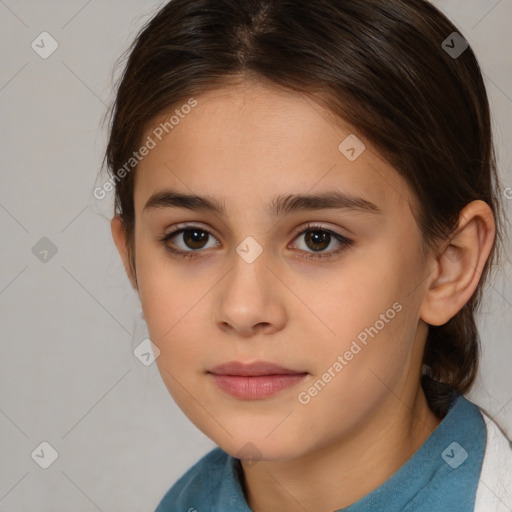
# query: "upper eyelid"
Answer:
x=313 y=225
x=185 y=227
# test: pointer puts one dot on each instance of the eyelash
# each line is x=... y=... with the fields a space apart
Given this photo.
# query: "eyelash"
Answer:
x=345 y=242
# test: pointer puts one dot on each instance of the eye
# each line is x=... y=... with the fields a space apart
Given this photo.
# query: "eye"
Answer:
x=318 y=238
x=193 y=237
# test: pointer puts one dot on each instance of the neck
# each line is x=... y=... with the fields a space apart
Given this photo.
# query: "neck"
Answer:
x=344 y=471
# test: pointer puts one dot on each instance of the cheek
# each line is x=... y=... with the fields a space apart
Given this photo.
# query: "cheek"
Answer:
x=355 y=299
x=166 y=293
x=171 y=306
x=177 y=309
x=167 y=301
x=369 y=316
x=355 y=369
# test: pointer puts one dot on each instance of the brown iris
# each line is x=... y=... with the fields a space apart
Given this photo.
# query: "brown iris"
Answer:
x=316 y=238
x=195 y=238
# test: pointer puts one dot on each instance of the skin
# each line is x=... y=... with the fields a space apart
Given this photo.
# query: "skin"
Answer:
x=243 y=145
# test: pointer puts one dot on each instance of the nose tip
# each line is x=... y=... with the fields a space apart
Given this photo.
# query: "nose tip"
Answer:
x=247 y=303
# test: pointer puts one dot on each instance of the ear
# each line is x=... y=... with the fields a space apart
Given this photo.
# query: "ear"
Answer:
x=459 y=264
x=120 y=239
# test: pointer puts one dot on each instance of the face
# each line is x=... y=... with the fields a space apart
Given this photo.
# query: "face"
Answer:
x=325 y=295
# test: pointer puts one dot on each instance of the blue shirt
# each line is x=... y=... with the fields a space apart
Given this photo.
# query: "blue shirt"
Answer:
x=443 y=474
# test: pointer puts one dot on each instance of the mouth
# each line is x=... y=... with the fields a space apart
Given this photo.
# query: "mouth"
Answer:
x=255 y=380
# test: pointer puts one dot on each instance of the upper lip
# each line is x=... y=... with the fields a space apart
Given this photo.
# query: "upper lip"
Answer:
x=255 y=369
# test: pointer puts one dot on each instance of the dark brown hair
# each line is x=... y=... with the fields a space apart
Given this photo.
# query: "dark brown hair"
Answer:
x=378 y=64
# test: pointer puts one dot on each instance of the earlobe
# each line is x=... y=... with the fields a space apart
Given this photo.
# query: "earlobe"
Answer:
x=119 y=235
x=459 y=264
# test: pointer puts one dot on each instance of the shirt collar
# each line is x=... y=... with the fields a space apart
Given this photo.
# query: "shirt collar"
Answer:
x=458 y=443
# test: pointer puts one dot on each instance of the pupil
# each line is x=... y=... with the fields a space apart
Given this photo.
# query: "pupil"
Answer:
x=321 y=238
x=194 y=238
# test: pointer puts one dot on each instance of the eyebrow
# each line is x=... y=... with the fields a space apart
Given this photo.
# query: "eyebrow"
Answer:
x=279 y=206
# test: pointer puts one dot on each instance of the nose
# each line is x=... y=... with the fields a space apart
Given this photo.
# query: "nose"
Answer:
x=250 y=299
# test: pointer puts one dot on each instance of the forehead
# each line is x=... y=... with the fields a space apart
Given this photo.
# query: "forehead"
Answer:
x=246 y=143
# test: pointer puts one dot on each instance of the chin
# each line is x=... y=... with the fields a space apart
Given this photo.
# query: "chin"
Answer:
x=253 y=443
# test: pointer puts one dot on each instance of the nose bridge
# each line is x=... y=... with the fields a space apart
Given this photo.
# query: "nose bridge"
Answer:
x=248 y=274
x=248 y=297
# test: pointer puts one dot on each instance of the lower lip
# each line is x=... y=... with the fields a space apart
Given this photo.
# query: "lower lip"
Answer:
x=253 y=388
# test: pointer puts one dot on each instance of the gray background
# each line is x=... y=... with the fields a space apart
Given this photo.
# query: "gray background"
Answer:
x=68 y=375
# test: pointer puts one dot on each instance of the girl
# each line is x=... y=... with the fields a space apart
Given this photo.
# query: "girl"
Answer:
x=306 y=204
